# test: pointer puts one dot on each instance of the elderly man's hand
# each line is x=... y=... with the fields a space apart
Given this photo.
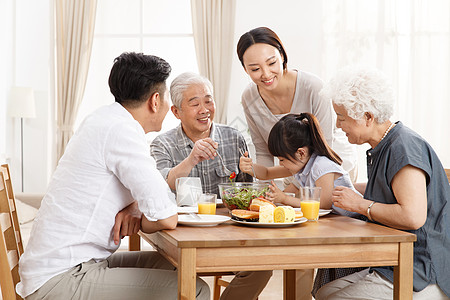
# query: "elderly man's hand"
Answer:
x=203 y=149
x=128 y=222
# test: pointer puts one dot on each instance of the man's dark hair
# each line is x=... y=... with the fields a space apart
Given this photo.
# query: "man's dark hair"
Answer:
x=135 y=77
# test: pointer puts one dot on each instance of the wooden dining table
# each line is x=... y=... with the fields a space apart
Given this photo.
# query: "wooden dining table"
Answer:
x=332 y=242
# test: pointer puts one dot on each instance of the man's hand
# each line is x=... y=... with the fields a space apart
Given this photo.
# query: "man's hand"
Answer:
x=128 y=222
x=203 y=149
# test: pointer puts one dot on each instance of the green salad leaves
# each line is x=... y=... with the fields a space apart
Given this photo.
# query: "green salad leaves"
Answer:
x=240 y=197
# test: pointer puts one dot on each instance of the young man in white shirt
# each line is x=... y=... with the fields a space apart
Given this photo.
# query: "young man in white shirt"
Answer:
x=105 y=172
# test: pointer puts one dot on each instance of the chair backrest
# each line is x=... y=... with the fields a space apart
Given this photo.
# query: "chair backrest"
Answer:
x=9 y=247
x=447 y=171
x=12 y=205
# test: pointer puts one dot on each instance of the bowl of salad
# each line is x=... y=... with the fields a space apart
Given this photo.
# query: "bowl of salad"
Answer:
x=238 y=195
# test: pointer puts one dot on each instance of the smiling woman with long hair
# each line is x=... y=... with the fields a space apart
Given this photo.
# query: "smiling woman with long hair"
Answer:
x=277 y=91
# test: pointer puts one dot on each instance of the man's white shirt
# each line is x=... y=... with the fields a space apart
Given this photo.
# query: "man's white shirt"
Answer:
x=106 y=166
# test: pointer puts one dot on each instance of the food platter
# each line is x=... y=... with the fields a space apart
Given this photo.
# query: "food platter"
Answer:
x=205 y=220
x=270 y=225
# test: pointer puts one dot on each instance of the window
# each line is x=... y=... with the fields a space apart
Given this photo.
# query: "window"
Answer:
x=161 y=28
x=410 y=42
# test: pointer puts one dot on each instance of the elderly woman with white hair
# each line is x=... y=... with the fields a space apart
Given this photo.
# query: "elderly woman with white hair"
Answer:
x=407 y=188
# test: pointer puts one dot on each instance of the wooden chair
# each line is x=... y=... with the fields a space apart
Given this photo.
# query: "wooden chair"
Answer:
x=447 y=171
x=12 y=204
x=11 y=246
x=218 y=284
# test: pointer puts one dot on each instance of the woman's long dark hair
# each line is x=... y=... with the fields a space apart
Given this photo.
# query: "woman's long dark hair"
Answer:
x=295 y=131
x=262 y=35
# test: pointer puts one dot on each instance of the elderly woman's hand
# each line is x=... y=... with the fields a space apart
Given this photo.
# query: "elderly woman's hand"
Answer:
x=347 y=199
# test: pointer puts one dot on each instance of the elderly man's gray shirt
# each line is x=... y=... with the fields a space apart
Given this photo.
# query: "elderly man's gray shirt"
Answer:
x=171 y=148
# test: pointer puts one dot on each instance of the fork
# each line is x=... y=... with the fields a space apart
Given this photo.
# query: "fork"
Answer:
x=221 y=161
x=253 y=170
x=195 y=216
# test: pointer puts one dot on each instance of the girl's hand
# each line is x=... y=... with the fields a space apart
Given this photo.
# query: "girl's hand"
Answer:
x=347 y=199
x=246 y=163
x=276 y=195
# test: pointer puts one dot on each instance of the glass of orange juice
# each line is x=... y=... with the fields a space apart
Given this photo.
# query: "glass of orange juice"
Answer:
x=207 y=204
x=310 y=202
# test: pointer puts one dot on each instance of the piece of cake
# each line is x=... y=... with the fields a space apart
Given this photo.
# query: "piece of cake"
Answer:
x=266 y=214
x=284 y=214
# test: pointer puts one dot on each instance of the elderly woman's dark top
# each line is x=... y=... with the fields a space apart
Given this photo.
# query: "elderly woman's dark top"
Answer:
x=402 y=147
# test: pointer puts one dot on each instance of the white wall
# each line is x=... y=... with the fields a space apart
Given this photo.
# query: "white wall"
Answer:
x=6 y=67
x=291 y=20
x=25 y=40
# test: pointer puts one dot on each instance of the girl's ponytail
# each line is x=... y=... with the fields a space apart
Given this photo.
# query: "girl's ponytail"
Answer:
x=319 y=144
x=295 y=131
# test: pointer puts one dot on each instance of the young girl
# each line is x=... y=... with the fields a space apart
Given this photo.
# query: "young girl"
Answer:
x=298 y=143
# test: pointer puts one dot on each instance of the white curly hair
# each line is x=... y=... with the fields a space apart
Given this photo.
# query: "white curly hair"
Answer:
x=361 y=89
x=182 y=82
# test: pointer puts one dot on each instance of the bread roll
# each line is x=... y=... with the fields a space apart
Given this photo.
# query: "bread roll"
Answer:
x=245 y=215
x=284 y=214
x=258 y=202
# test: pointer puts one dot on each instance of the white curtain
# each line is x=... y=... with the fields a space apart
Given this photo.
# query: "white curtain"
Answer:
x=213 y=27
x=74 y=28
x=409 y=40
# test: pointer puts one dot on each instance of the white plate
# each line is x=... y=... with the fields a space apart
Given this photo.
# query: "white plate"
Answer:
x=276 y=225
x=206 y=220
x=322 y=212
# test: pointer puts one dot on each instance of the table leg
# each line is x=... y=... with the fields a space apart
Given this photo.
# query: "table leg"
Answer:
x=186 y=274
x=289 y=284
x=403 y=273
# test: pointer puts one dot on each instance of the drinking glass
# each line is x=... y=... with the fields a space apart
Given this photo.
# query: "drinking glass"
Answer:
x=207 y=204
x=310 y=202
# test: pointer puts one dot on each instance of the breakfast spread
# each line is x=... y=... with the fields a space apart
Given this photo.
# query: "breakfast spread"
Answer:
x=264 y=211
